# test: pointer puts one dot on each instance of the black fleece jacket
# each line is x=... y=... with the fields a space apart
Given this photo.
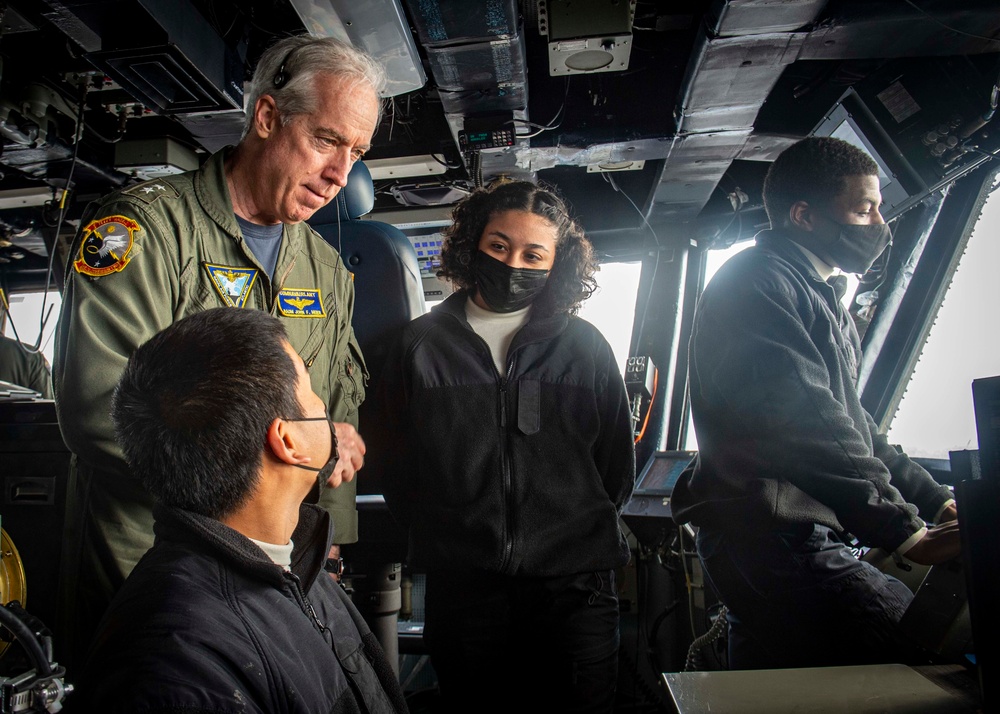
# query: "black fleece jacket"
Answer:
x=782 y=436
x=207 y=622
x=523 y=473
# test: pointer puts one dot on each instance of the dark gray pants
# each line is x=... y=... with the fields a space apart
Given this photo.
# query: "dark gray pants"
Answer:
x=800 y=598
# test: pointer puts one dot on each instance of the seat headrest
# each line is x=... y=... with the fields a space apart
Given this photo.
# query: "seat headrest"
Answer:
x=356 y=199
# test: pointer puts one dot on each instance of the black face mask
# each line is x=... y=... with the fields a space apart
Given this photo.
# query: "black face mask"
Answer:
x=855 y=248
x=506 y=289
x=326 y=470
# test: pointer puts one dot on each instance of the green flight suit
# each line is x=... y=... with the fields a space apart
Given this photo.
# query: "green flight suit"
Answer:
x=25 y=369
x=145 y=257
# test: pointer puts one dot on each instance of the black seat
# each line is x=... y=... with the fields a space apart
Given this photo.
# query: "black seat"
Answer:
x=388 y=294
x=387 y=284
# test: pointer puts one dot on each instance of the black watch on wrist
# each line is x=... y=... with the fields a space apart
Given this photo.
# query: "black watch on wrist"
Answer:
x=334 y=566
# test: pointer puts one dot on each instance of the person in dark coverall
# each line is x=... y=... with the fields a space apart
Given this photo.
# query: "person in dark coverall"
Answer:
x=508 y=455
x=231 y=610
x=232 y=233
x=790 y=465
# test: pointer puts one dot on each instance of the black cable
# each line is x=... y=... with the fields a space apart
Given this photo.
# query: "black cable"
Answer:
x=476 y=168
x=714 y=633
x=119 y=132
x=43 y=315
x=27 y=639
x=656 y=261
x=947 y=27
x=647 y=693
x=445 y=163
x=667 y=612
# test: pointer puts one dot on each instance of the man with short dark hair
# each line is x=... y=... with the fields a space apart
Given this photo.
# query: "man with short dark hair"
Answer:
x=231 y=233
x=790 y=465
x=230 y=611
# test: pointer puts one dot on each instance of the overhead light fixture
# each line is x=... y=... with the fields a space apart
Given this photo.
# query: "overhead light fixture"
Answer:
x=406 y=166
x=428 y=194
x=154 y=158
x=587 y=36
x=379 y=28
x=25 y=197
x=609 y=166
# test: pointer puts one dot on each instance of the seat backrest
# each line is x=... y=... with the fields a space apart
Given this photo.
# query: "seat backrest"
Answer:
x=387 y=284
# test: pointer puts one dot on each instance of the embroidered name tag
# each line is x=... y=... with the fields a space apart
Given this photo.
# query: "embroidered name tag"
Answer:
x=300 y=302
x=105 y=246
x=233 y=284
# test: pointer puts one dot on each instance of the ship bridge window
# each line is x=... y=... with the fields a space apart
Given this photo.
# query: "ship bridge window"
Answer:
x=612 y=308
x=25 y=313
x=715 y=260
x=936 y=414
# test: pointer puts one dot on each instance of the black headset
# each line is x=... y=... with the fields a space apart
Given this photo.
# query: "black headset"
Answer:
x=281 y=78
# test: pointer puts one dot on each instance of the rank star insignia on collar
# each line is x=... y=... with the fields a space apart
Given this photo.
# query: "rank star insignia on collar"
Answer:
x=300 y=302
x=233 y=284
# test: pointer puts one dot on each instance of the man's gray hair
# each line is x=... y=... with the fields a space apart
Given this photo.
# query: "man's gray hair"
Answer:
x=299 y=59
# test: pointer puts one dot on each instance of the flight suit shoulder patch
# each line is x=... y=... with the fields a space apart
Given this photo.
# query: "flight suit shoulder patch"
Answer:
x=105 y=245
x=151 y=191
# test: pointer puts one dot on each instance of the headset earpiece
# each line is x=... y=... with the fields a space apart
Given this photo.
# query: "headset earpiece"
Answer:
x=281 y=78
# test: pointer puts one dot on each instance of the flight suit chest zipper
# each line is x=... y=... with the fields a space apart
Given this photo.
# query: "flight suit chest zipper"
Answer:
x=275 y=286
x=313 y=356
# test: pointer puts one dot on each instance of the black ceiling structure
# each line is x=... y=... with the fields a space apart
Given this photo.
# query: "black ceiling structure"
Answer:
x=651 y=117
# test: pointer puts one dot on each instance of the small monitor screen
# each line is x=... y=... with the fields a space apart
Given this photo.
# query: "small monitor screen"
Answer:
x=662 y=471
x=847 y=132
x=428 y=249
x=427 y=240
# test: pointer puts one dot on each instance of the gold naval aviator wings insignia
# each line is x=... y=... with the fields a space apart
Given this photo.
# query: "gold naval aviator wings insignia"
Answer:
x=300 y=302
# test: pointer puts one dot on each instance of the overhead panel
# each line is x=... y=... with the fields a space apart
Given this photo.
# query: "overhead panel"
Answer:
x=888 y=28
x=748 y=17
x=731 y=78
x=735 y=64
x=695 y=165
x=477 y=59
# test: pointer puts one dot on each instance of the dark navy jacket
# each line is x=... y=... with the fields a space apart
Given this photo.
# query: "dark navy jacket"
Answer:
x=782 y=436
x=207 y=623
x=521 y=473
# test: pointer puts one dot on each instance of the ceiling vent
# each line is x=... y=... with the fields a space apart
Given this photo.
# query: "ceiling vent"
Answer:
x=174 y=63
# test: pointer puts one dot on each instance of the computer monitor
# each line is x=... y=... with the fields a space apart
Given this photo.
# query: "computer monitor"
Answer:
x=427 y=239
x=661 y=472
x=647 y=514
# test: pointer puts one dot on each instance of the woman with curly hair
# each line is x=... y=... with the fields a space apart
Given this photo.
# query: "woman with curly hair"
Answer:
x=506 y=450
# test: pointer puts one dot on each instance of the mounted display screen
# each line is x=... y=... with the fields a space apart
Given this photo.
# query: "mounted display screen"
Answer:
x=662 y=471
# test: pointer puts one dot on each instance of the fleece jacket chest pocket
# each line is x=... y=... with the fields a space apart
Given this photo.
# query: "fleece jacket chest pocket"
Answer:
x=529 y=406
